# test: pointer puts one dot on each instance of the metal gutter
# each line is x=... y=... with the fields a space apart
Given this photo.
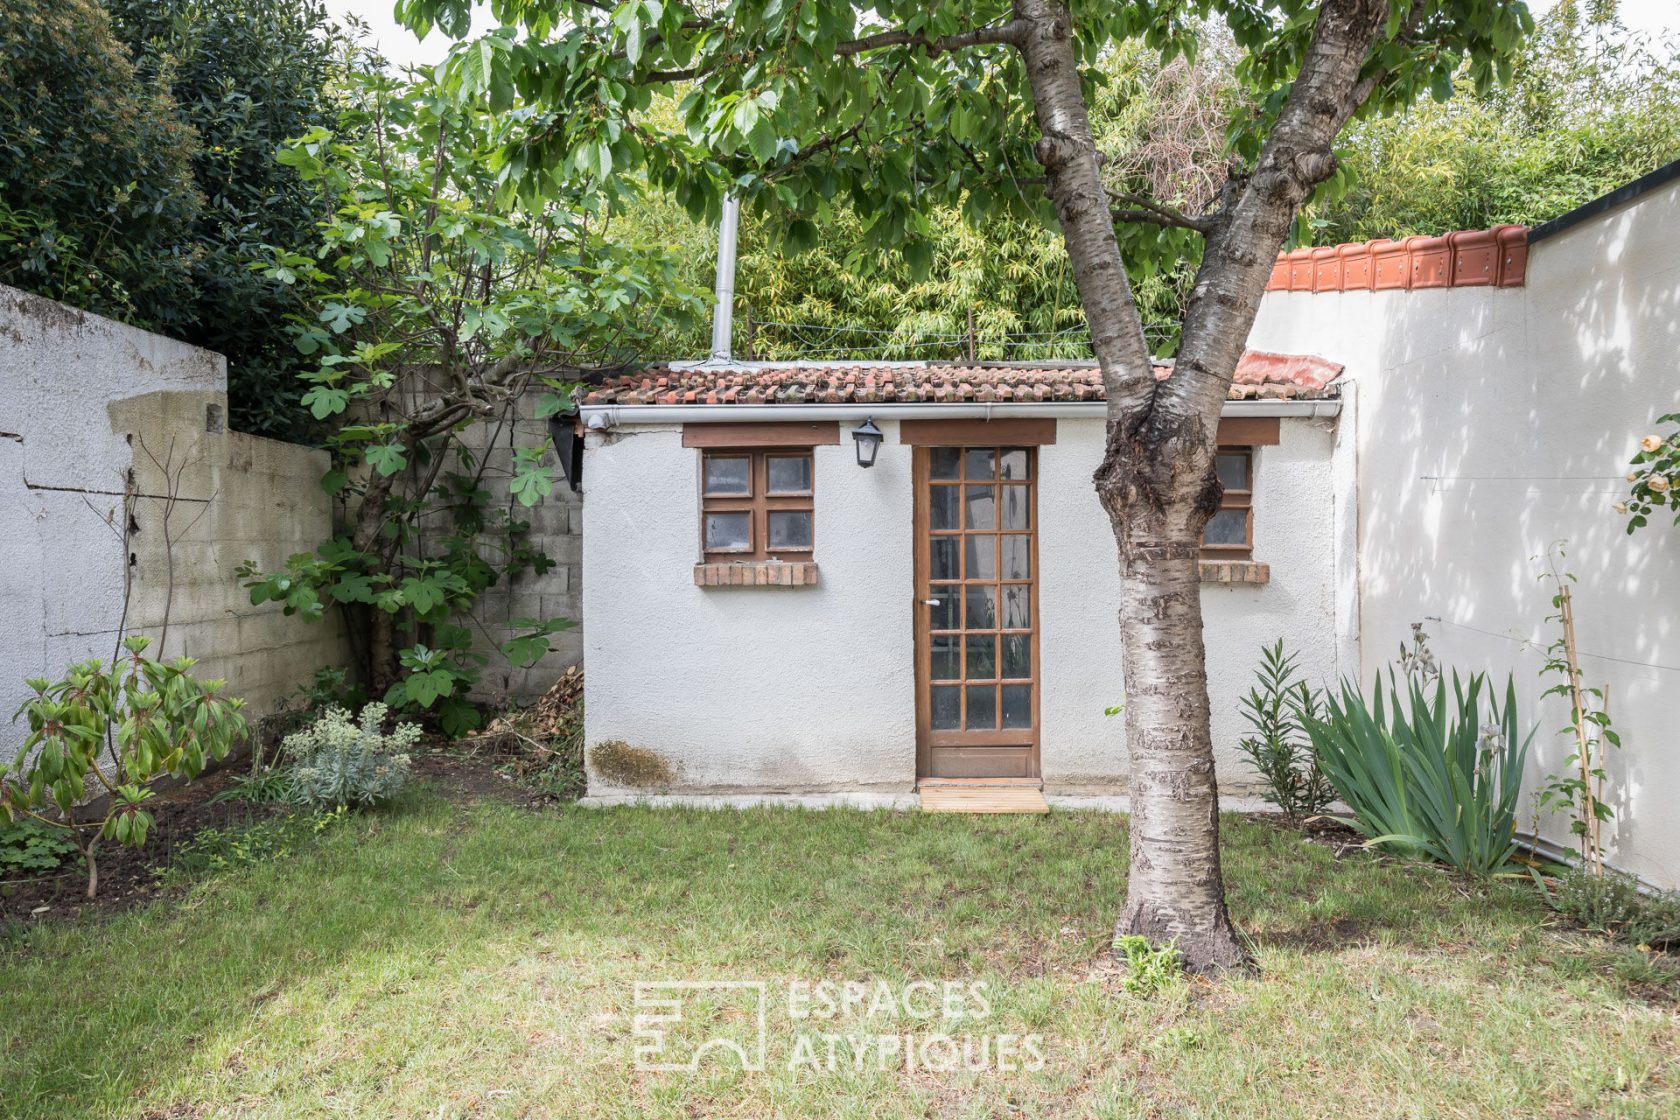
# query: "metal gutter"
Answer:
x=602 y=416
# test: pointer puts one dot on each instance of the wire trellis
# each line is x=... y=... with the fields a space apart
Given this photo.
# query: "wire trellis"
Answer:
x=769 y=339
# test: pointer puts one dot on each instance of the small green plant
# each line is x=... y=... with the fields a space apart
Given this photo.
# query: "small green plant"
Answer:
x=1612 y=903
x=1655 y=477
x=338 y=761
x=28 y=847
x=269 y=785
x=215 y=850
x=1280 y=748
x=1579 y=790
x=116 y=732
x=1426 y=776
x=1149 y=969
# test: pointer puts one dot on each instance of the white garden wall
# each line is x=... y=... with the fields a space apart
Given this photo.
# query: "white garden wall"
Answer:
x=82 y=399
x=812 y=690
x=1493 y=422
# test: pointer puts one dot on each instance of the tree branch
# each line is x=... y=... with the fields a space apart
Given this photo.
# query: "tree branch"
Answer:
x=1011 y=32
x=1146 y=209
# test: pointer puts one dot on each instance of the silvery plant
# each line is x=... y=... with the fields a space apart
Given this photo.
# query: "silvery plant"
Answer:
x=337 y=761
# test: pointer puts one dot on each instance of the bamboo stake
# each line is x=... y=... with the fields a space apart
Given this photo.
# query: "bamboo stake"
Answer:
x=1589 y=805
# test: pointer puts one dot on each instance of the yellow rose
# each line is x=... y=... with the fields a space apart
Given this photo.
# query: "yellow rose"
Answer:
x=1633 y=476
x=1658 y=484
x=1651 y=443
x=1620 y=507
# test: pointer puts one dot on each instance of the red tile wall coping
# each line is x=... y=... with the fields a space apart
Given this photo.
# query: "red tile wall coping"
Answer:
x=757 y=573
x=1469 y=258
x=1259 y=375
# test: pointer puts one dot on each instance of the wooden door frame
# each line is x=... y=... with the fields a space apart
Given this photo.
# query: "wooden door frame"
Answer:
x=920 y=467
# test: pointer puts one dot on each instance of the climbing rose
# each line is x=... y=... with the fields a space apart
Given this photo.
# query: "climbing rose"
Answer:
x=1633 y=476
x=1658 y=483
x=1620 y=507
x=1651 y=443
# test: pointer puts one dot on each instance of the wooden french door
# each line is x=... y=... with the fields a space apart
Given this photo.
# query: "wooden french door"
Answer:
x=977 y=680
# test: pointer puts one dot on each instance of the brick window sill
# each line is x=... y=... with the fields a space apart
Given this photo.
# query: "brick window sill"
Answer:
x=1235 y=572
x=757 y=573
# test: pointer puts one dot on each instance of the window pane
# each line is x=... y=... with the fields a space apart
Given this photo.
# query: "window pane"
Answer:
x=790 y=474
x=947 y=656
x=942 y=507
x=728 y=475
x=981 y=504
x=1017 y=705
x=981 y=553
x=982 y=608
x=1017 y=558
x=1017 y=607
x=944 y=610
x=1229 y=526
x=1014 y=464
x=947 y=707
x=944 y=462
x=1017 y=655
x=1233 y=471
x=1015 y=503
x=982 y=657
x=980 y=463
x=790 y=528
x=944 y=558
x=728 y=532
x=982 y=707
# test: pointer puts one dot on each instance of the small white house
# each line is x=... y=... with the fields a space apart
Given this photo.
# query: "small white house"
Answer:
x=772 y=618
x=776 y=603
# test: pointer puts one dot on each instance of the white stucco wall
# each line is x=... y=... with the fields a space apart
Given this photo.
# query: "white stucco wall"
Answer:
x=1490 y=424
x=79 y=395
x=813 y=689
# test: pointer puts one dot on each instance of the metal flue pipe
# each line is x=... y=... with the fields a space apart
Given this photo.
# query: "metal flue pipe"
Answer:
x=723 y=314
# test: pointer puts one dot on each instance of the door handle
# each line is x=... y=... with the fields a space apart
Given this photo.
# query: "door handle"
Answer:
x=931 y=602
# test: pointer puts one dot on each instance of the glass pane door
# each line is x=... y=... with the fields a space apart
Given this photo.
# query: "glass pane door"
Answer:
x=977 y=562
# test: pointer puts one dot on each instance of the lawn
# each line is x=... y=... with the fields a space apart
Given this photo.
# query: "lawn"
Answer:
x=445 y=960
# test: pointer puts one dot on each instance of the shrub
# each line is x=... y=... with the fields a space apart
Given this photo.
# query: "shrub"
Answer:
x=1613 y=904
x=97 y=200
x=1279 y=748
x=338 y=762
x=1424 y=778
x=120 y=728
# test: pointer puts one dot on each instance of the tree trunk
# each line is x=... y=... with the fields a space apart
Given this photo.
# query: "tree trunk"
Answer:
x=382 y=667
x=1158 y=485
x=1159 y=492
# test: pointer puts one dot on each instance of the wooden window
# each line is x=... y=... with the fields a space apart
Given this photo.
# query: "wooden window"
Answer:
x=756 y=504
x=1230 y=533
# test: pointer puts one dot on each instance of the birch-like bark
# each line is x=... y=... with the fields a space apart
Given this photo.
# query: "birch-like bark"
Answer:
x=1157 y=480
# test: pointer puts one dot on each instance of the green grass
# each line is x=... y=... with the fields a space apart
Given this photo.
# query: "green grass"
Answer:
x=444 y=961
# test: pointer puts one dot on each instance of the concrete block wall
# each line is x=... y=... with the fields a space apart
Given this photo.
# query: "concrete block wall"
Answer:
x=556 y=529
x=89 y=407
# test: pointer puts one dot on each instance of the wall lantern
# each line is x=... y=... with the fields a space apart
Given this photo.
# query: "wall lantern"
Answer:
x=868 y=438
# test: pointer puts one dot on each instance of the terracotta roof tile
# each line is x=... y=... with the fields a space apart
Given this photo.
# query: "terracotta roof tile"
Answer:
x=1259 y=374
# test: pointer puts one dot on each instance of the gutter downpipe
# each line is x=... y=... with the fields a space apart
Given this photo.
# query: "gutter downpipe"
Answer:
x=723 y=312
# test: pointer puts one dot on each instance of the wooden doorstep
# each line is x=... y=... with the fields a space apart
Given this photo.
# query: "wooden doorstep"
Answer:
x=982 y=799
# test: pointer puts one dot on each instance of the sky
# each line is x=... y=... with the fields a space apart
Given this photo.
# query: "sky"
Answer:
x=400 y=46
